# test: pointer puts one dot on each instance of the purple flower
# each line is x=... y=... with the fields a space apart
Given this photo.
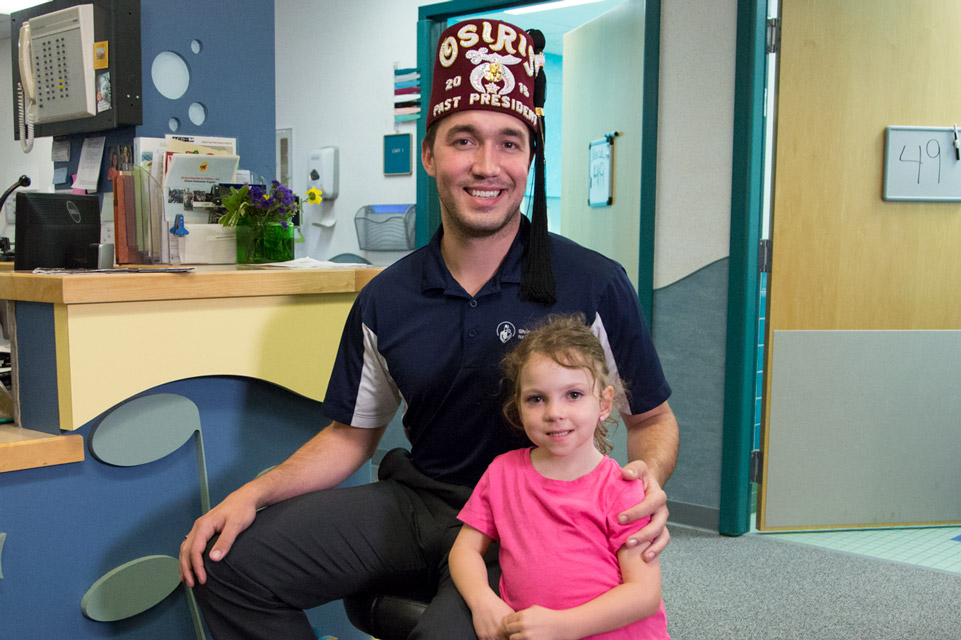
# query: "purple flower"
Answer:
x=257 y=197
x=281 y=195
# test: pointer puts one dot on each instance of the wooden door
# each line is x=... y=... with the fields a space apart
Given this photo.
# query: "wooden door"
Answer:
x=860 y=425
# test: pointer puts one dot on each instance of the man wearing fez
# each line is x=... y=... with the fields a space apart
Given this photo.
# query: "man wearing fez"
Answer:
x=430 y=331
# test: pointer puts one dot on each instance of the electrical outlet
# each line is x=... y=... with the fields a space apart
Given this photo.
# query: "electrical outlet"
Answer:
x=10 y=210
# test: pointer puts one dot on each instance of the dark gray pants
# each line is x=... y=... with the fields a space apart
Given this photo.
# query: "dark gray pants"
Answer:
x=389 y=536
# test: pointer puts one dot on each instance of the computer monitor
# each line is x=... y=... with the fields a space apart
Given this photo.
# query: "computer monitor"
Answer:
x=55 y=230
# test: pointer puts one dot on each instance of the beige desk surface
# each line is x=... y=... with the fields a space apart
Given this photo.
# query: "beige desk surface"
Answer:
x=207 y=281
x=26 y=449
x=22 y=448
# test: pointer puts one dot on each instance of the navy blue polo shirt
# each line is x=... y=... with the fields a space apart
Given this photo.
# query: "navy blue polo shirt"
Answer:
x=415 y=336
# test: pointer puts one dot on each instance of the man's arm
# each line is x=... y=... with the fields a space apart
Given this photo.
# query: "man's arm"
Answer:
x=652 y=443
x=322 y=462
x=653 y=438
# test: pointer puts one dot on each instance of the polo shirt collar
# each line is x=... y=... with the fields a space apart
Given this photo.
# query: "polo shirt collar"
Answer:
x=437 y=276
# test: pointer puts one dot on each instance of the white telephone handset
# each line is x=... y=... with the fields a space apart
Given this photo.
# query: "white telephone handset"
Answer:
x=59 y=82
x=26 y=72
x=26 y=91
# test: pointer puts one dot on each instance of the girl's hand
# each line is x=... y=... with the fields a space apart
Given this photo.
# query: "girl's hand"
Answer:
x=535 y=623
x=488 y=619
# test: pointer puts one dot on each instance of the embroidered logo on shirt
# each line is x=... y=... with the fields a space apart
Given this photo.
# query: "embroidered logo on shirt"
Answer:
x=506 y=331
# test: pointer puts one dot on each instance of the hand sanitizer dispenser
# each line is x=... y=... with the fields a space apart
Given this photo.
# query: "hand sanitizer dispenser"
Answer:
x=324 y=171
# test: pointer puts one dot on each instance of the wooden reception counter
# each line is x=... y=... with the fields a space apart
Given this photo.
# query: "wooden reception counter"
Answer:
x=82 y=343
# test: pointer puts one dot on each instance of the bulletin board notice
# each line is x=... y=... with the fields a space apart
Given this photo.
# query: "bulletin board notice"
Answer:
x=921 y=164
x=599 y=190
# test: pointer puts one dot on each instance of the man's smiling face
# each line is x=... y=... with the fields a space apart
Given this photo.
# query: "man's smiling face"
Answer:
x=480 y=160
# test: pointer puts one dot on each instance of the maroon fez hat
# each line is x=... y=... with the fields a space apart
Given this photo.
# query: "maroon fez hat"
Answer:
x=491 y=65
x=487 y=65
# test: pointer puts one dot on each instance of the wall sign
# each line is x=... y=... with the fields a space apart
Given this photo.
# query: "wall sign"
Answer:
x=600 y=170
x=922 y=163
x=397 y=158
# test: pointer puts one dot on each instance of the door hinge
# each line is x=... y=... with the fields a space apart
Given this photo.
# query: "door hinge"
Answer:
x=754 y=474
x=764 y=256
x=773 y=38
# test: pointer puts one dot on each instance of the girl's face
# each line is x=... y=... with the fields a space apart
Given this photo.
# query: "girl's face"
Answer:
x=560 y=408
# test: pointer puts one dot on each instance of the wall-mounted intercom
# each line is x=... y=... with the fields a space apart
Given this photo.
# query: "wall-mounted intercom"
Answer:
x=56 y=69
x=77 y=67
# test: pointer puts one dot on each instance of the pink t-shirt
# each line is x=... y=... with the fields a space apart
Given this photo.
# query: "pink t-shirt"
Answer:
x=558 y=539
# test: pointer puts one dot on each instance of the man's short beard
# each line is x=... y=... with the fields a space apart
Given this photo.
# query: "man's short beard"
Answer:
x=458 y=225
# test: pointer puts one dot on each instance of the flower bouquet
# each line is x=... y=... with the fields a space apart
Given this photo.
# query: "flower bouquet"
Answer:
x=262 y=217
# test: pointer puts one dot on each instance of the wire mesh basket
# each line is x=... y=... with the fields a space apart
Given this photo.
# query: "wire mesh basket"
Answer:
x=385 y=227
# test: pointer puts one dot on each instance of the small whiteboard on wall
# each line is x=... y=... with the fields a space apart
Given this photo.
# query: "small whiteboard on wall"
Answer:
x=921 y=163
x=600 y=174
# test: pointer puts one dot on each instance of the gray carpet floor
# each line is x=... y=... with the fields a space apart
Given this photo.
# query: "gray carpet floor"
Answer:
x=755 y=586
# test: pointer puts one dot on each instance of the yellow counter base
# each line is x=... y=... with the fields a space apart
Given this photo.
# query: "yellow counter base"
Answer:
x=117 y=335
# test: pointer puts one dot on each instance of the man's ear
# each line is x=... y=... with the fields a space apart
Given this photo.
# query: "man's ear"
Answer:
x=427 y=158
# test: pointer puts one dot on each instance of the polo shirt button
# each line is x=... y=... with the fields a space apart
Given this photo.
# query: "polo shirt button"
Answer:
x=472 y=303
x=472 y=333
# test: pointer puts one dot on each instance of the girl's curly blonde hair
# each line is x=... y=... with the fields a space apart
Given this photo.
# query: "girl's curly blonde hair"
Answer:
x=568 y=341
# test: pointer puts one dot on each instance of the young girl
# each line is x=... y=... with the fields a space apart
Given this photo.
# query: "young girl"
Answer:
x=553 y=508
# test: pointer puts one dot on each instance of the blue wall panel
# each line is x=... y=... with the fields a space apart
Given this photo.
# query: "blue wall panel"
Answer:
x=233 y=75
x=690 y=328
x=67 y=525
x=37 y=365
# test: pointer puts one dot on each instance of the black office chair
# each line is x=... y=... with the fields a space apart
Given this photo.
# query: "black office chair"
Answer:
x=386 y=616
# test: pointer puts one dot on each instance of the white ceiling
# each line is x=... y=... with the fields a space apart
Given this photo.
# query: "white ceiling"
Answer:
x=9 y=6
x=554 y=23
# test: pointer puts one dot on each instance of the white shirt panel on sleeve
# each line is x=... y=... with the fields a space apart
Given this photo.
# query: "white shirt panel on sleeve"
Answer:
x=598 y=329
x=377 y=393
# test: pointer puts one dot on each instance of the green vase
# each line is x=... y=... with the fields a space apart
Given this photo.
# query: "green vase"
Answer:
x=259 y=243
